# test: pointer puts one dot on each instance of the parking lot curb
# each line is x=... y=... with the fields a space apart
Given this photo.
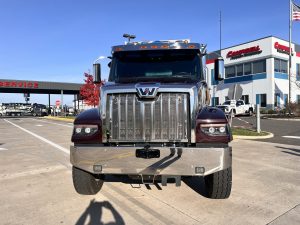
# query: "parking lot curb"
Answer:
x=270 y=135
x=58 y=118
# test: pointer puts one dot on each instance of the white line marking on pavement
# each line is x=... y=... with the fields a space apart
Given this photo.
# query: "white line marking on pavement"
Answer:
x=295 y=137
x=241 y=120
x=39 y=125
x=41 y=138
x=3 y=149
x=64 y=125
x=32 y=172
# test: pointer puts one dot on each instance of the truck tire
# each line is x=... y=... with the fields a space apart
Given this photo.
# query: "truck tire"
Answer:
x=218 y=185
x=232 y=112
x=250 y=112
x=85 y=183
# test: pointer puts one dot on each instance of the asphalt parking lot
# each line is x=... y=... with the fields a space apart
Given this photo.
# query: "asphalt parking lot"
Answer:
x=285 y=131
x=36 y=185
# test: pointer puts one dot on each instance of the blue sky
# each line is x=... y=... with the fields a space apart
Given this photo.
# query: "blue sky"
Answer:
x=57 y=40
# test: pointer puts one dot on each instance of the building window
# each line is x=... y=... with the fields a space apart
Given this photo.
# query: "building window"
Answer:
x=212 y=77
x=247 y=68
x=276 y=65
x=245 y=98
x=215 y=101
x=277 y=99
x=283 y=66
x=261 y=99
x=280 y=66
x=230 y=71
x=285 y=99
x=298 y=99
x=297 y=71
x=239 y=70
x=259 y=66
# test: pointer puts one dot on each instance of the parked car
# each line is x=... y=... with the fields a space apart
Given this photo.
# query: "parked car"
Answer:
x=237 y=107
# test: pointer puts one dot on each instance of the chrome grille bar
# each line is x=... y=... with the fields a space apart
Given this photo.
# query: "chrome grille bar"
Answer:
x=130 y=119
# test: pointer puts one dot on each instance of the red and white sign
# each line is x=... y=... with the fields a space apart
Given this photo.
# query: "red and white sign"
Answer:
x=244 y=52
x=282 y=48
x=57 y=103
x=19 y=84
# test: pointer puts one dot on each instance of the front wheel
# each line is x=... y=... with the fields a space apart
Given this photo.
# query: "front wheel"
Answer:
x=85 y=183
x=250 y=112
x=232 y=113
x=218 y=185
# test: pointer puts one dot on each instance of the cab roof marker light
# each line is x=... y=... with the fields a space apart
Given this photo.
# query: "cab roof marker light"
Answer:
x=185 y=41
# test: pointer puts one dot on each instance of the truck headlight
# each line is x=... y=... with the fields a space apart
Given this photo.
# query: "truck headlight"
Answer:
x=85 y=130
x=214 y=129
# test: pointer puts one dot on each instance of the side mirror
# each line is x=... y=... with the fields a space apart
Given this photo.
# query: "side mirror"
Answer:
x=97 y=73
x=219 y=69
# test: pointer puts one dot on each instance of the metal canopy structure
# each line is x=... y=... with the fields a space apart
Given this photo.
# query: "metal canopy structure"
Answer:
x=38 y=87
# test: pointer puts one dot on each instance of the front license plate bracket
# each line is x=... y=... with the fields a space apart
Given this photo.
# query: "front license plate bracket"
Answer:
x=147 y=153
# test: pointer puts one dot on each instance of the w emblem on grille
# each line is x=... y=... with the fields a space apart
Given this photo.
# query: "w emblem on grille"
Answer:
x=147 y=91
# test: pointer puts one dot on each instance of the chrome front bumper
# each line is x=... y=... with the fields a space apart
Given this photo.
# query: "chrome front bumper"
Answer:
x=172 y=161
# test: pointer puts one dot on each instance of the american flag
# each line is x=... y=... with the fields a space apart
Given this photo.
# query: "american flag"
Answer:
x=295 y=12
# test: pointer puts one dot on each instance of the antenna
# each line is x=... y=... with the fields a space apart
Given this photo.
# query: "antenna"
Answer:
x=129 y=37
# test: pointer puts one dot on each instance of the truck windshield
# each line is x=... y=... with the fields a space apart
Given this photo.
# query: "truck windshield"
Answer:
x=162 y=66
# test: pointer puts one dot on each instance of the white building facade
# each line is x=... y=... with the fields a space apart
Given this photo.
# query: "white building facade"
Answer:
x=260 y=67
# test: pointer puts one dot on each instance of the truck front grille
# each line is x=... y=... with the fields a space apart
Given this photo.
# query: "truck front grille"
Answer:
x=130 y=119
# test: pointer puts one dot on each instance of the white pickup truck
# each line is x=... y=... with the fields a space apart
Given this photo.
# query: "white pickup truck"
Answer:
x=237 y=107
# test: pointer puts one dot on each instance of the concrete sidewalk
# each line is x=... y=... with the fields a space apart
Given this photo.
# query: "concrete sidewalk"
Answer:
x=270 y=172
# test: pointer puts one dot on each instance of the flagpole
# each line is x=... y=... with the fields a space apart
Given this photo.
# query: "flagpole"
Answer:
x=220 y=31
x=290 y=57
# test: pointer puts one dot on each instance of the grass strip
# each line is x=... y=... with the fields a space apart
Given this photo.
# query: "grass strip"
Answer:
x=247 y=132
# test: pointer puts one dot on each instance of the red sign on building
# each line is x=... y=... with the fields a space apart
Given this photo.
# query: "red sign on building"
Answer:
x=282 y=48
x=244 y=52
x=19 y=84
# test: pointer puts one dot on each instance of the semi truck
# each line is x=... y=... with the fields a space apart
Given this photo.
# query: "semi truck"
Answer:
x=154 y=123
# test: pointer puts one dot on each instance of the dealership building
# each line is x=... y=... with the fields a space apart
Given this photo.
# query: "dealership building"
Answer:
x=260 y=67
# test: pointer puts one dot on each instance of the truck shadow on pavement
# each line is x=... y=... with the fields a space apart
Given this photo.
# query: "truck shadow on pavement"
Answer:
x=292 y=151
x=94 y=211
x=196 y=184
